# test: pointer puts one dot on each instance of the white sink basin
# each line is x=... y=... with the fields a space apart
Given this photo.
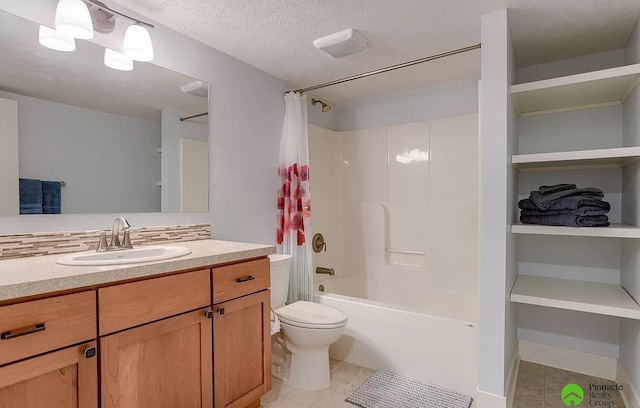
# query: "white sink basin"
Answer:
x=126 y=256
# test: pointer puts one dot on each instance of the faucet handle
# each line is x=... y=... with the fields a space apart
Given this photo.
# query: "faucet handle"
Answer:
x=127 y=238
x=102 y=244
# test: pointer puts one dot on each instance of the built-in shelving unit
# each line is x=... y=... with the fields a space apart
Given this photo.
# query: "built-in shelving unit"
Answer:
x=583 y=159
x=599 y=298
x=589 y=90
x=612 y=231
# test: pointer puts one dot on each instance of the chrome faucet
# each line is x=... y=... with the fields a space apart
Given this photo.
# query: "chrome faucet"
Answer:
x=115 y=245
x=115 y=232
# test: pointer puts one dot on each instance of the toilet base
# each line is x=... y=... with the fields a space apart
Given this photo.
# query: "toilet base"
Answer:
x=309 y=370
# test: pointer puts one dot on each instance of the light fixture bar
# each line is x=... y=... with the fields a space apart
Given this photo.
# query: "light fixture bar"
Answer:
x=104 y=7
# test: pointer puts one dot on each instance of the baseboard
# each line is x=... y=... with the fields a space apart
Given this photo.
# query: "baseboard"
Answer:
x=513 y=380
x=487 y=400
x=630 y=395
x=571 y=360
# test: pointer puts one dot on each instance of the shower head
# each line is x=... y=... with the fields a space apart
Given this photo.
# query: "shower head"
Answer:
x=325 y=107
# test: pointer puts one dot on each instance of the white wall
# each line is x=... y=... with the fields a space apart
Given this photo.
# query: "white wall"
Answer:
x=366 y=198
x=109 y=162
x=442 y=101
x=571 y=66
x=629 y=361
x=172 y=131
x=247 y=108
x=9 y=188
x=586 y=259
x=326 y=198
x=497 y=269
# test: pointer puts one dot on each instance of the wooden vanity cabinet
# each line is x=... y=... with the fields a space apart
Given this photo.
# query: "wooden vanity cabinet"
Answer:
x=155 y=349
x=196 y=339
x=59 y=379
x=48 y=356
x=241 y=334
x=162 y=364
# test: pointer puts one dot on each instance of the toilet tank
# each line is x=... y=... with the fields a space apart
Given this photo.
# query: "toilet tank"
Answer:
x=280 y=270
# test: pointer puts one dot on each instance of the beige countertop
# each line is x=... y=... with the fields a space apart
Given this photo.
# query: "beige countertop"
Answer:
x=32 y=276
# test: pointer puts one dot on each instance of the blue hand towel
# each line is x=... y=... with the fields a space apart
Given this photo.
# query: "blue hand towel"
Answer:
x=30 y=196
x=568 y=203
x=51 y=197
x=566 y=220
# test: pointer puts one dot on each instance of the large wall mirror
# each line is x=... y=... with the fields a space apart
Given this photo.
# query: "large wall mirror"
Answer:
x=97 y=140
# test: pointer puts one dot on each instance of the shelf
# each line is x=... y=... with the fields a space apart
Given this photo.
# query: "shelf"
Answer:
x=583 y=159
x=612 y=231
x=589 y=90
x=599 y=298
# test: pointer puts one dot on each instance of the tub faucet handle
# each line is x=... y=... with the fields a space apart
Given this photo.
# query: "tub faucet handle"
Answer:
x=318 y=243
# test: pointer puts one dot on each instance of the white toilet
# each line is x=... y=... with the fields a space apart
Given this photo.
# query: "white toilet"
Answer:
x=308 y=329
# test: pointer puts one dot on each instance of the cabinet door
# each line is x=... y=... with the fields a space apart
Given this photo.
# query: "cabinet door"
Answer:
x=242 y=350
x=161 y=364
x=61 y=379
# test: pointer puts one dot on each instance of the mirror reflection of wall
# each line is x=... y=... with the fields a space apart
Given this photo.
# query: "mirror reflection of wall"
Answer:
x=114 y=139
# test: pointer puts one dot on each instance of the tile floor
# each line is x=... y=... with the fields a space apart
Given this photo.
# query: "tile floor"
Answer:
x=345 y=379
x=539 y=386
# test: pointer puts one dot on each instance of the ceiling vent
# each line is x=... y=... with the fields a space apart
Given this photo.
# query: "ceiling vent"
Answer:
x=343 y=43
x=197 y=88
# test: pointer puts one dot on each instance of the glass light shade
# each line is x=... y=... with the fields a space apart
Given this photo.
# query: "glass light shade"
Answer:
x=56 y=40
x=117 y=60
x=73 y=18
x=137 y=43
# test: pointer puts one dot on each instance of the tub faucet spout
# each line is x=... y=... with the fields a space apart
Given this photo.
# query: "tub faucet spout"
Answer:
x=325 y=271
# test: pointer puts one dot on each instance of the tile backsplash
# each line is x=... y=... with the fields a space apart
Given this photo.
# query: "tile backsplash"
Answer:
x=48 y=243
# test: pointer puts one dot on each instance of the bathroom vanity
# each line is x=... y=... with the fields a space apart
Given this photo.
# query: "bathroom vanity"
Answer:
x=186 y=332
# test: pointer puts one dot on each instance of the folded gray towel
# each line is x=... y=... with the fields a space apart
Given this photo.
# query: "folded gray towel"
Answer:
x=567 y=203
x=582 y=211
x=545 y=201
x=555 y=188
x=566 y=220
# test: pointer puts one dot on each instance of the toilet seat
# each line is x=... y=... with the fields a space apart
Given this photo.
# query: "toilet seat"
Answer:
x=311 y=315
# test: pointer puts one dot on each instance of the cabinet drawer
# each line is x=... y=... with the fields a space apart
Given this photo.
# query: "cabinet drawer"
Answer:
x=32 y=328
x=241 y=279
x=131 y=304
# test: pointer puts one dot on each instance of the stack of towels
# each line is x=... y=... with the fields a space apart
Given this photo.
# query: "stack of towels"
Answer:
x=565 y=205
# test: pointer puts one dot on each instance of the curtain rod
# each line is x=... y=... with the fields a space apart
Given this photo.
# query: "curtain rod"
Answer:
x=391 y=68
x=193 y=116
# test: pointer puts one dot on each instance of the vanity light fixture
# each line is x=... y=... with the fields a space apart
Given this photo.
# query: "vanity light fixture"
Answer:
x=73 y=18
x=137 y=43
x=56 y=40
x=117 y=60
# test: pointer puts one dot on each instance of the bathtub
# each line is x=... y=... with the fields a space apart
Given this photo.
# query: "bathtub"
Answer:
x=435 y=341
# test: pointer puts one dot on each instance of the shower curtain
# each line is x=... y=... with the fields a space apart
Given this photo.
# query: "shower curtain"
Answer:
x=294 y=198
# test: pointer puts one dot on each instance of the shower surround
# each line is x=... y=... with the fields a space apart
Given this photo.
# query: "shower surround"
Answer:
x=398 y=207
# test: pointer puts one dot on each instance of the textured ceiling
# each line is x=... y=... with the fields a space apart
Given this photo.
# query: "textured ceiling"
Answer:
x=276 y=35
x=81 y=79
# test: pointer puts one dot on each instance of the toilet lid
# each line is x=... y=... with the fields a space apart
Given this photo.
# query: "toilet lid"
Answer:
x=309 y=313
